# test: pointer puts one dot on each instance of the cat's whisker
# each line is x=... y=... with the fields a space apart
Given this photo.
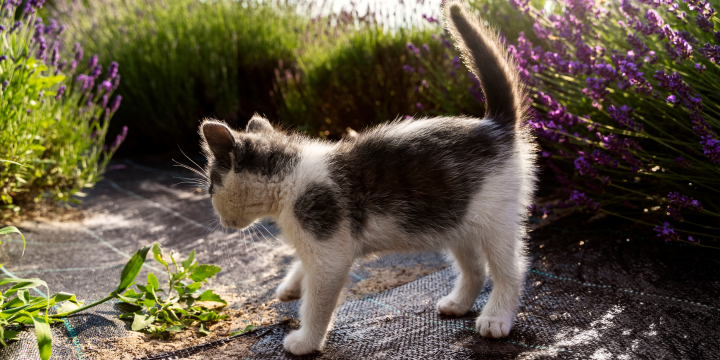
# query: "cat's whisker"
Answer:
x=270 y=233
x=191 y=169
x=191 y=160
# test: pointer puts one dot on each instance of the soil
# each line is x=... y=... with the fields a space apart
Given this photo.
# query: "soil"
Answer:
x=43 y=210
x=135 y=344
x=382 y=279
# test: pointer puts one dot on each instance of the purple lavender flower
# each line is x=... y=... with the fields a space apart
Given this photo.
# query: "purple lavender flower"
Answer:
x=5 y=84
x=666 y=232
x=112 y=70
x=679 y=202
x=106 y=86
x=408 y=69
x=16 y=26
x=580 y=199
x=426 y=47
x=672 y=100
x=585 y=168
x=42 y=48
x=682 y=162
x=120 y=138
x=93 y=62
x=700 y=68
x=419 y=106
x=96 y=71
x=73 y=65
x=60 y=92
x=104 y=101
x=430 y=19
x=55 y=55
x=711 y=148
x=410 y=46
x=77 y=49
x=87 y=82
x=116 y=104
x=89 y=102
x=3 y=58
x=2 y=28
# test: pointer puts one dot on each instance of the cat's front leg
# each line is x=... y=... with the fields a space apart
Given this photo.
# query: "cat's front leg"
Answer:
x=290 y=288
x=324 y=278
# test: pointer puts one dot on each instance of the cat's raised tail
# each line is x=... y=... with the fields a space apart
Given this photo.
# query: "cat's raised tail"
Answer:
x=487 y=57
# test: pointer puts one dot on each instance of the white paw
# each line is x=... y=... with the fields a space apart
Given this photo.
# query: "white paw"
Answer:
x=287 y=293
x=448 y=306
x=493 y=327
x=296 y=343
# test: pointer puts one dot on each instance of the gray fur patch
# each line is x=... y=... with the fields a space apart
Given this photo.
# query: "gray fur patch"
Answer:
x=426 y=179
x=318 y=210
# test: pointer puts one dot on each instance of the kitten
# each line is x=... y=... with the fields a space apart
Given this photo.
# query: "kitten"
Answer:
x=450 y=183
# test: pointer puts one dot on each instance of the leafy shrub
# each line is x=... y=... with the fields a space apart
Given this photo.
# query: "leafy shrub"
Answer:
x=185 y=59
x=624 y=110
x=355 y=84
x=365 y=75
x=53 y=122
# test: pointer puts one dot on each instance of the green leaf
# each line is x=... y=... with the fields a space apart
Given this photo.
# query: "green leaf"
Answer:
x=242 y=331
x=186 y=264
x=9 y=335
x=176 y=328
x=149 y=303
x=24 y=296
x=131 y=269
x=21 y=284
x=44 y=337
x=68 y=306
x=130 y=296
x=142 y=321
x=209 y=295
x=128 y=307
x=157 y=253
x=203 y=331
x=192 y=288
x=152 y=281
x=203 y=272
x=11 y=229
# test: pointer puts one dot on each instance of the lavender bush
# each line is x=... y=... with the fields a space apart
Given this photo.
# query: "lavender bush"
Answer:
x=625 y=107
x=54 y=113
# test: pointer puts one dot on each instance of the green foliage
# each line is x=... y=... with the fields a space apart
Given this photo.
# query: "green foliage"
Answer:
x=183 y=60
x=51 y=144
x=160 y=315
x=26 y=309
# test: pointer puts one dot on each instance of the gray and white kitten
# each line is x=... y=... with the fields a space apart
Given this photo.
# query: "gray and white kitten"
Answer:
x=450 y=183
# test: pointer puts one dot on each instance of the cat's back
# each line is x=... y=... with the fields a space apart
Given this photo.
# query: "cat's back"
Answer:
x=423 y=172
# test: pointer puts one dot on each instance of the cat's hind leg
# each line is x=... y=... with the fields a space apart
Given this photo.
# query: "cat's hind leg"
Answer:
x=290 y=288
x=468 y=284
x=503 y=250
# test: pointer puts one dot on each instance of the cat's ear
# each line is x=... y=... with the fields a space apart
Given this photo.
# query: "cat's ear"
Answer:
x=258 y=124
x=219 y=140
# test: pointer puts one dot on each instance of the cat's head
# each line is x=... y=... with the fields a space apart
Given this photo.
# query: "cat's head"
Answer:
x=244 y=168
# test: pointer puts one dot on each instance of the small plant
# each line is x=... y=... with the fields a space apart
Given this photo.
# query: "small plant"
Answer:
x=178 y=309
x=27 y=309
x=53 y=121
x=161 y=316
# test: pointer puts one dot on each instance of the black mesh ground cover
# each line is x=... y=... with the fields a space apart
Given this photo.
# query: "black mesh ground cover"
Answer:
x=606 y=298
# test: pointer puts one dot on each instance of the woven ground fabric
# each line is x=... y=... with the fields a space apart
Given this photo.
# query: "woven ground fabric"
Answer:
x=607 y=298
x=605 y=289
